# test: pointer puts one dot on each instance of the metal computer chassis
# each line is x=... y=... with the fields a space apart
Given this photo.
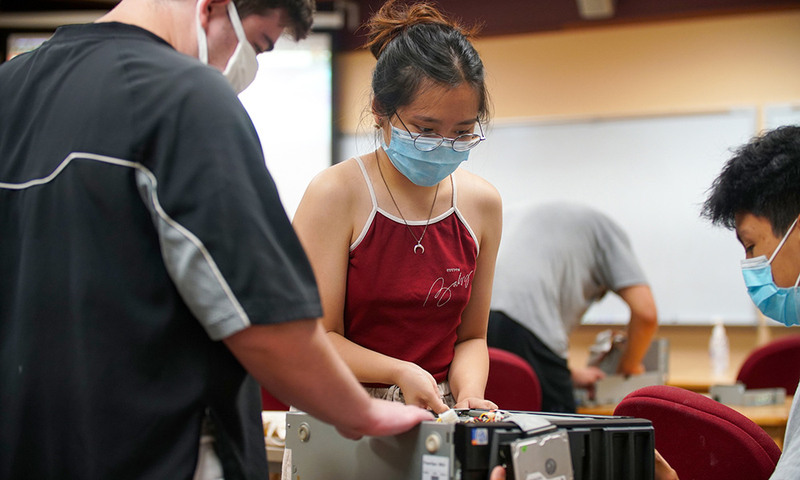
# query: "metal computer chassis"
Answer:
x=533 y=446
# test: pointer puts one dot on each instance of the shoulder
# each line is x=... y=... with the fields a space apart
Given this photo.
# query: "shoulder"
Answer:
x=201 y=92
x=149 y=63
x=193 y=104
x=339 y=181
x=477 y=194
x=608 y=231
x=336 y=190
x=481 y=205
x=187 y=114
x=161 y=80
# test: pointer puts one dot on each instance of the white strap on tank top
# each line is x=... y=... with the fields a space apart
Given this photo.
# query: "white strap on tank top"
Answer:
x=375 y=209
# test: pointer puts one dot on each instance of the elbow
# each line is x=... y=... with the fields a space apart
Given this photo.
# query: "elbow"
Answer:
x=647 y=319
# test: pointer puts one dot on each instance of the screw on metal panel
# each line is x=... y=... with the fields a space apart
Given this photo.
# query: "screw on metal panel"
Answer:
x=550 y=466
x=433 y=442
x=304 y=432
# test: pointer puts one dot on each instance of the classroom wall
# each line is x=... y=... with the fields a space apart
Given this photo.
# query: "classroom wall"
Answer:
x=657 y=68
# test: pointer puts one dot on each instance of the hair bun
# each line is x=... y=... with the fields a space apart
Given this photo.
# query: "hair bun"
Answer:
x=394 y=18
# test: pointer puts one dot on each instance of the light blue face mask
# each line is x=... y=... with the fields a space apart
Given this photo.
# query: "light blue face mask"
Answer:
x=425 y=169
x=775 y=302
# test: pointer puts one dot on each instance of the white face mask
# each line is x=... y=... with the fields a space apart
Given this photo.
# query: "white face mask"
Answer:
x=242 y=66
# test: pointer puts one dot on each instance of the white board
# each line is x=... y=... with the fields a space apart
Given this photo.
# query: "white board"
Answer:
x=650 y=174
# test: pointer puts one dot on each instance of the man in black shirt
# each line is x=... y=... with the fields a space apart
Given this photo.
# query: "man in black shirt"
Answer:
x=146 y=263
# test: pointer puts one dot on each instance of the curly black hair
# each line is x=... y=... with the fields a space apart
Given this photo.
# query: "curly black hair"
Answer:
x=762 y=178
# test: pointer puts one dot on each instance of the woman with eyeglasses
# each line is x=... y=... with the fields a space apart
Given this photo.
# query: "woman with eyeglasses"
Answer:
x=402 y=242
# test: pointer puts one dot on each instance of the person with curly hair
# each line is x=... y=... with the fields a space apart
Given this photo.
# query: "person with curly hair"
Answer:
x=757 y=195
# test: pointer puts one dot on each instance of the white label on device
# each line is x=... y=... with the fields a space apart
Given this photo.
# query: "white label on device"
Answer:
x=435 y=467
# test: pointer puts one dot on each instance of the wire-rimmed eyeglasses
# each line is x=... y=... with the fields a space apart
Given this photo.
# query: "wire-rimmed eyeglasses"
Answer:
x=426 y=142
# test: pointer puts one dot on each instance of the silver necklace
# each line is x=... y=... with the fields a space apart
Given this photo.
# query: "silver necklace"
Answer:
x=435 y=194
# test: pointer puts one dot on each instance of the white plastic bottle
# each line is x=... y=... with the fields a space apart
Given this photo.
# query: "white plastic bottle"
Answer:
x=719 y=350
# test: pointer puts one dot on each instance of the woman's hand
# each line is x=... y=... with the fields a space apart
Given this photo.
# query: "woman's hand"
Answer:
x=476 y=402
x=419 y=388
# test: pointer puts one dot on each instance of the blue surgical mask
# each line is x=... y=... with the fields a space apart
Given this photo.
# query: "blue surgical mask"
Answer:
x=775 y=302
x=425 y=169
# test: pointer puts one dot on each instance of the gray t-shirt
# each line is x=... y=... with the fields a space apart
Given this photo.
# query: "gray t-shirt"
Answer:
x=788 y=467
x=554 y=261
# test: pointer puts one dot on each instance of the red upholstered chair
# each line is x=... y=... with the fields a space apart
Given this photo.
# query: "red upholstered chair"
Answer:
x=512 y=383
x=776 y=364
x=701 y=438
x=268 y=402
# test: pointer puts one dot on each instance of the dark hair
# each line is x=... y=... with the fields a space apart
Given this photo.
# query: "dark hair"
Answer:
x=762 y=178
x=301 y=13
x=414 y=44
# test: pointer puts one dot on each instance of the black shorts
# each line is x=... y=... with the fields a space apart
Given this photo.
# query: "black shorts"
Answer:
x=552 y=370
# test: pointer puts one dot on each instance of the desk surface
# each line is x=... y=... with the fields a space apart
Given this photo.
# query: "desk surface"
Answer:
x=699 y=382
x=764 y=415
x=767 y=415
x=772 y=418
x=699 y=385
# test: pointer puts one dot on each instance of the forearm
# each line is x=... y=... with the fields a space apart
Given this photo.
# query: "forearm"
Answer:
x=638 y=343
x=641 y=327
x=417 y=385
x=469 y=369
x=368 y=365
x=640 y=334
x=296 y=362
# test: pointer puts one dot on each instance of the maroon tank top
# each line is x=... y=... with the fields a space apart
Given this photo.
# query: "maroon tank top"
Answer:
x=408 y=305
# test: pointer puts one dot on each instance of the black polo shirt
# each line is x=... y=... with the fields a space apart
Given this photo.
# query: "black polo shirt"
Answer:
x=138 y=226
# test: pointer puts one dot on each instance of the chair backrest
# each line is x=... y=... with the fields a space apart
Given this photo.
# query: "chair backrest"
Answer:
x=776 y=364
x=512 y=383
x=268 y=402
x=701 y=438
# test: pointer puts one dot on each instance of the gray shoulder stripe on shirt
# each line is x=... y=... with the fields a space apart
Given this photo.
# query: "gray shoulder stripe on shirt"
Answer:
x=64 y=163
x=188 y=261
